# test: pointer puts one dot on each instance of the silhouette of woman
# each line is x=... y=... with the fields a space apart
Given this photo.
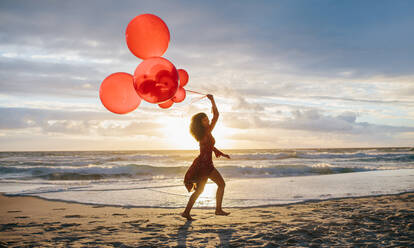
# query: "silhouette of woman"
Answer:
x=202 y=167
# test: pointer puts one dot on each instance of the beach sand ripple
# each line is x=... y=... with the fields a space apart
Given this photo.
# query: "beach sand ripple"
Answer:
x=363 y=222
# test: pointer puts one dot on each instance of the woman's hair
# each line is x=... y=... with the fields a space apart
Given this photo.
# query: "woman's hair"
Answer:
x=196 y=127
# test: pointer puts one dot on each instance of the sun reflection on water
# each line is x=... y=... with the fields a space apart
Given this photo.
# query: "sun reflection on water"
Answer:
x=208 y=197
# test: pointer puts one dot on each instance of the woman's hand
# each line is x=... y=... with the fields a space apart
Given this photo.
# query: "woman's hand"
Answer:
x=219 y=154
x=225 y=155
x=214 y=111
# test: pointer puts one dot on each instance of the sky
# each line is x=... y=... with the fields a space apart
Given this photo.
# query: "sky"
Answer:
x=285 y=74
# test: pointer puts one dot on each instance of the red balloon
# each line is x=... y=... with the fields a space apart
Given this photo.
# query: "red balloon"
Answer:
x=166 y=104
x=147 y=36
x=183 y=75
x=156 y=80
x=180 y=95
x=117 y=93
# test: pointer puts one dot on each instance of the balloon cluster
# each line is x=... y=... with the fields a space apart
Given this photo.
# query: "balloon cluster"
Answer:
x=156 y=80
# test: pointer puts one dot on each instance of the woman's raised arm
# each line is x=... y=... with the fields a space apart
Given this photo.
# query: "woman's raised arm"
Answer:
x=215 y=112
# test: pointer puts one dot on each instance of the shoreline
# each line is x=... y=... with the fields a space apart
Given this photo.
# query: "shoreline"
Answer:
x=206 y=208
x=372 y=221
x=240 y=193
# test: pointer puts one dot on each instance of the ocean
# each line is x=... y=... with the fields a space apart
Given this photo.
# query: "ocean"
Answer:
x=253 y=177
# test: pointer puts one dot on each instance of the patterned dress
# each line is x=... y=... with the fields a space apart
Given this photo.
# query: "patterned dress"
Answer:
x=202 y=166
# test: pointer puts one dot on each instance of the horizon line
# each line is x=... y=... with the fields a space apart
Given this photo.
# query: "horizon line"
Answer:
x=153 y=150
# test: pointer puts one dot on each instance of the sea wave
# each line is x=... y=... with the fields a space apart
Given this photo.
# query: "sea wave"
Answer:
x=374 y=155
x=173 y=164
x=96 y=172
x=85 y=158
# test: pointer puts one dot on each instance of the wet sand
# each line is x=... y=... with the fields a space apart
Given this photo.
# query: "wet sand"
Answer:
x=364 y=222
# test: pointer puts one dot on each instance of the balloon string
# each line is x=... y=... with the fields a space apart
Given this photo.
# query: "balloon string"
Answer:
x=197 y=99
x=195 y=92
x=186 y=108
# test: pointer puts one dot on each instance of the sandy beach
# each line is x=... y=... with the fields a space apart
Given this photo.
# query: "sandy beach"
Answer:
x=365 y=222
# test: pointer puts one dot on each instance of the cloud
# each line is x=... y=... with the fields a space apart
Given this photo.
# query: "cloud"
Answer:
x=345 y=123
x=76 y=123
x=318 y=41
x=133 y=128
x=312 y=120
x=20 y=77
x=242 y=104
x=27 y=117
x=259 y=58
x=315 y=69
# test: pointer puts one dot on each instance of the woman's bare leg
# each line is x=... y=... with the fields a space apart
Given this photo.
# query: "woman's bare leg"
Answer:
x=218 y=179
x=193 y=198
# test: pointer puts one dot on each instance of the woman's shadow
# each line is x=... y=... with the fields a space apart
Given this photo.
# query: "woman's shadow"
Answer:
x=223 y=233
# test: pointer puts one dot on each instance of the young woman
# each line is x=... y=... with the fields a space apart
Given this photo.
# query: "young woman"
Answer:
x=202 y=167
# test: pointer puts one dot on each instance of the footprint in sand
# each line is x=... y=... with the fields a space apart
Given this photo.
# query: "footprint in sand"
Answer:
x=95 y=221
x=21 y=217
x=266 y=211
x=48 y=229
x=266 y=215
x=69 y=225
x=117 y=214
x=135 y=223
x=51 y=223
x=145 y=238
x=152 y=228
x=73 y=216
x=167 y=214
x=98 y=228
x=7 y=227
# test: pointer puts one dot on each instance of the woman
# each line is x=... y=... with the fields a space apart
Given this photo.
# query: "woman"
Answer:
x=202 y=167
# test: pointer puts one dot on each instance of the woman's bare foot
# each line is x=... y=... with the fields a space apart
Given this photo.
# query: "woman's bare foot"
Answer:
x=188 y=216
x=221 y=212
